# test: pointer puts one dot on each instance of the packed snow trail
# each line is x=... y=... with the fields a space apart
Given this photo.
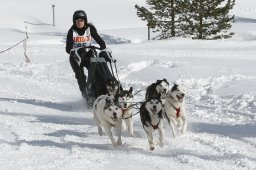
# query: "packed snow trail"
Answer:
x=45 y=124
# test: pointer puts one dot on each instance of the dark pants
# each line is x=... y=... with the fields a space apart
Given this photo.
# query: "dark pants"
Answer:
x=79 y=70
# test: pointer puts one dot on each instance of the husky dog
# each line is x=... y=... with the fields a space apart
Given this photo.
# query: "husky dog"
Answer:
x=108 y=114
x=151 y=115
x=125 y=99
x=113 y=87
x=158 y=89
x=174 y=109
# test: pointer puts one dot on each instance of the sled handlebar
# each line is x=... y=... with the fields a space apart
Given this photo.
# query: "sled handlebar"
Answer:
x=94 y=48
x=89 y=47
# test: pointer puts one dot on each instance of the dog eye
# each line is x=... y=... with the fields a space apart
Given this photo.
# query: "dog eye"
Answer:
x=116 y=108
x=157 y=102
x=109 y=109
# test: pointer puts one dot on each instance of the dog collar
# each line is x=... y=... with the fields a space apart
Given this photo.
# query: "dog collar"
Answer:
x=110 y=123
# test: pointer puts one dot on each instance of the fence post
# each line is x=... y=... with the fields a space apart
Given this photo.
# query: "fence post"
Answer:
x=53 y=15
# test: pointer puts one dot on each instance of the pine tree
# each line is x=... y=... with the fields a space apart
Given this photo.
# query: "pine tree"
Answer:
x=161 y=16
x=207 y=19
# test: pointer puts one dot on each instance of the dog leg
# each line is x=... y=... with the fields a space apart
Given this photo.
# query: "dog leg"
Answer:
x=161 y=134
x=130 y=127
x=150 y=140
x=179 y=123
x=119 y=132
x=97 y=121
x=107 y=129
x=172 y=123
x=185 y=125
x=100 y=130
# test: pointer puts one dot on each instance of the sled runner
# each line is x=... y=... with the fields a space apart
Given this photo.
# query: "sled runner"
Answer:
x=98 y=70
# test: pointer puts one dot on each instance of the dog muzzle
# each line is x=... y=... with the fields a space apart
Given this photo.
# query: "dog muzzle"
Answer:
x=180 y=98
x=154 y=110
x=115 y=118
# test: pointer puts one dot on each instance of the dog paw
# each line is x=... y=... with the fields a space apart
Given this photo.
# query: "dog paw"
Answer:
x=119 y=142
x=114 y=144
x=100 y=131
x=183 y=131
x=132 y=135
x=151 y=148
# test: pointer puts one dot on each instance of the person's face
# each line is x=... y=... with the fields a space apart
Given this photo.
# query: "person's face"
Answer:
x=80 y=23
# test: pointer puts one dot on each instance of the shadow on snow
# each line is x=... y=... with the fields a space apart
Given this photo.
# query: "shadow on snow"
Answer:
x=56 y=106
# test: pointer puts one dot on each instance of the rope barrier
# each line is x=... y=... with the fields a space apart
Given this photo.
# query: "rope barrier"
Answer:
x=13 y=46
x=24 y=41
x=37 y=24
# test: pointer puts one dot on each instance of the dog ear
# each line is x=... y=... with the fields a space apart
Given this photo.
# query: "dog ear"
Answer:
x=174 y=87
x=131 y=89
x=158 y=81
x=166 y=81
x=108 y=102
x=120 y=87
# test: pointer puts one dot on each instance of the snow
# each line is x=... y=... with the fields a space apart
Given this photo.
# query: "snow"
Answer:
x=44 y=122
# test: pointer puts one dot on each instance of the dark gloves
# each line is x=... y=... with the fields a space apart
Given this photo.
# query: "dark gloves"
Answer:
x=106 y=54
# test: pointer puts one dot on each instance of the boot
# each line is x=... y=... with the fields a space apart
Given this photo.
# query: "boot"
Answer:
x=82 y=84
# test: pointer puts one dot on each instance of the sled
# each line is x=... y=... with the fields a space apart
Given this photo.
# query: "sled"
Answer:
x=98 y=72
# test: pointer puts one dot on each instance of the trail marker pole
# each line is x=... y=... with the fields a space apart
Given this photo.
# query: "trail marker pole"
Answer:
x=53 y=15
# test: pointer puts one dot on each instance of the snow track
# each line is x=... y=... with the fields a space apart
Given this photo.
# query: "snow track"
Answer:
x=44 y=122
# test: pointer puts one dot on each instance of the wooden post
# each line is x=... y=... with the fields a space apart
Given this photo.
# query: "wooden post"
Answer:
x=53 y=15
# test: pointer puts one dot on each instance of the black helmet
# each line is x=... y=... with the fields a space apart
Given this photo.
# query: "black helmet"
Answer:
x=80 y=14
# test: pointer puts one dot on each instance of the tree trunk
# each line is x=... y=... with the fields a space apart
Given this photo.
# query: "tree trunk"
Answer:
x=173 y=19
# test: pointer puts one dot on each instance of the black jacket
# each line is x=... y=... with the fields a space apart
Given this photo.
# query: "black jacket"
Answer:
x=94 y=33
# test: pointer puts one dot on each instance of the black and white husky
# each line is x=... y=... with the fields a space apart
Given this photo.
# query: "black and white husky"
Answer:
x=125 y=100
x=107 y=114
x=151 y=115
x=113 y=87
x=158 y=89
x=174 y=109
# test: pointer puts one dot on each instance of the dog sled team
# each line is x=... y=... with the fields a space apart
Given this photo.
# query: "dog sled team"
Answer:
x=115 y=109
x=112 y=105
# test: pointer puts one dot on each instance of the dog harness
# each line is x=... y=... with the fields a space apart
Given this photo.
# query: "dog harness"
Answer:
x=82 y=41
x=177 y=111
x=155 y=126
